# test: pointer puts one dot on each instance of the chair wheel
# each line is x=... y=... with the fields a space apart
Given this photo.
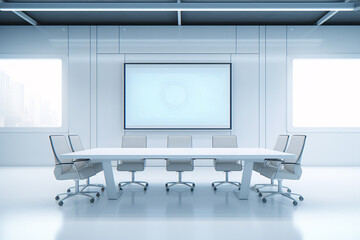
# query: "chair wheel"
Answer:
x=263 y=200
x=120 y=188
x=257 y=190
x=167 y=189
x=295 y=203
x=215 y=188
x=92 y=200
x=102 y=189
x=301 y=198
x=166 y=185
x=98 y=194
x=68 y=190
x=239 y=189
x=192 y=189
x=145 y=188
x=212 y=184
x=60 y=203
x=260 y=194
x=147 y=184
x=57 y=198
x=289 y=190
x=193 y=184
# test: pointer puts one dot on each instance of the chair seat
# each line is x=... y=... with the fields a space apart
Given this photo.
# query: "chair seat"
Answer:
x=131 y=166
x=270 y=172
x=97 y=166
x=179 y=167
x=84 y=173
x=227 y=166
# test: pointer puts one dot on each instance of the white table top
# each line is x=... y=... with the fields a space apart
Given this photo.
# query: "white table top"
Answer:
x=110 y=154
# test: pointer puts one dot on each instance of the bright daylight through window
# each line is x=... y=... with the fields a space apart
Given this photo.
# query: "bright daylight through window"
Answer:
x=326 y=93
x=30 y=92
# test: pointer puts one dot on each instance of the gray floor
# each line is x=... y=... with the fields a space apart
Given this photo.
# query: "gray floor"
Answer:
x=331 y=209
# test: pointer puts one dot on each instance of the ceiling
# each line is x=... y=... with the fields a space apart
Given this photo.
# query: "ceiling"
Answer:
x=63 y=16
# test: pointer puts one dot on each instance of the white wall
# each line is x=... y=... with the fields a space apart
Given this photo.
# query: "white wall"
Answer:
x=258 y=55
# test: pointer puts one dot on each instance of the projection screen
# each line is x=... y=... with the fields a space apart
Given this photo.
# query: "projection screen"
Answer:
x=177 y=96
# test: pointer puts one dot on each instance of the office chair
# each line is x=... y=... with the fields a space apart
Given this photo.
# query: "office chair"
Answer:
x=228 y=141
x=280 y=146
x=131 y=165
x=76 y=145
x=290 y=170
x=179 y=165
x=78 y=169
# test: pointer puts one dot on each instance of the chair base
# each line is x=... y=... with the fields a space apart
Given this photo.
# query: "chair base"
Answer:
x=168 y=185
x=216 y=184
x=257 y=187
x=140 y=183
x=88 y=184
x=279 y=192
x=76 y=193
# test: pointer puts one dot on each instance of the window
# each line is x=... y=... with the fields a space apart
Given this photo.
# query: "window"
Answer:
x=325 y=92
x=31 y=92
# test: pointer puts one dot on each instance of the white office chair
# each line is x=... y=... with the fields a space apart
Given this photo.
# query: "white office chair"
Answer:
x=76 y=170
x=76 y=145
x=131 y=165
x=290 y=170
x=280 y=146
x=228 y=141
x=179 y=165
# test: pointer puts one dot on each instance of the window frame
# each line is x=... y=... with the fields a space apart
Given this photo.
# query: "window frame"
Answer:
x=289 y=93
x=64 y=94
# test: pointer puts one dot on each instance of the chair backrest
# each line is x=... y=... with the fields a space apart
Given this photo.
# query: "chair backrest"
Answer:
x=281 y=143
x=227 y=141
x=296 y=146
x=75 y=143
x=59 y=146
x=179 y=142
x=133 y=141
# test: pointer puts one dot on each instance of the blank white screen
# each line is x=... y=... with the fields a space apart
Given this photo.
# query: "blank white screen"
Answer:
x=326 y=92
x=177 y=96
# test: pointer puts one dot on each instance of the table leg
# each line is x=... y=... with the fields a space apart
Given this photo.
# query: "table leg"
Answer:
x=111 y=189
x=243 y=194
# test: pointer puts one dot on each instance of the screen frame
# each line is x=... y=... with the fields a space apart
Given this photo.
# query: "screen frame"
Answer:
x=176 y=63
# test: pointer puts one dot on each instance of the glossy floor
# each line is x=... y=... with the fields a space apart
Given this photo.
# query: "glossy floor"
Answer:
x=331 y=209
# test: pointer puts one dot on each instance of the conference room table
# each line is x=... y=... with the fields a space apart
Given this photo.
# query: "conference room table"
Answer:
x=108 y=155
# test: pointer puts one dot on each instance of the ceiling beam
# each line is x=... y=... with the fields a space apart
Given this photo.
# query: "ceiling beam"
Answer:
x=241 y=7
x=26 y=17
x=328 y=15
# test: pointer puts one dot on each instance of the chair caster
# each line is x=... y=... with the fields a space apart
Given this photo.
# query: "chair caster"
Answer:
x=120 y=188
x=102 y=189
x=260 y=194
x=295 y=203
x=57 y=198
x=257 y=190
x=145 y=188
x=212 y=184
x=301 y=198
x=215 y=188
x=119 y=184
x=289 y=190
x=193 y=184
x=263 y=200
x=166 y=185
x=146 y=184
x=191 y=189
x=60 y=203
x=167 y=189
x=98 y=194
x=239 y=189
x=68 y=190
x=92 y=200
